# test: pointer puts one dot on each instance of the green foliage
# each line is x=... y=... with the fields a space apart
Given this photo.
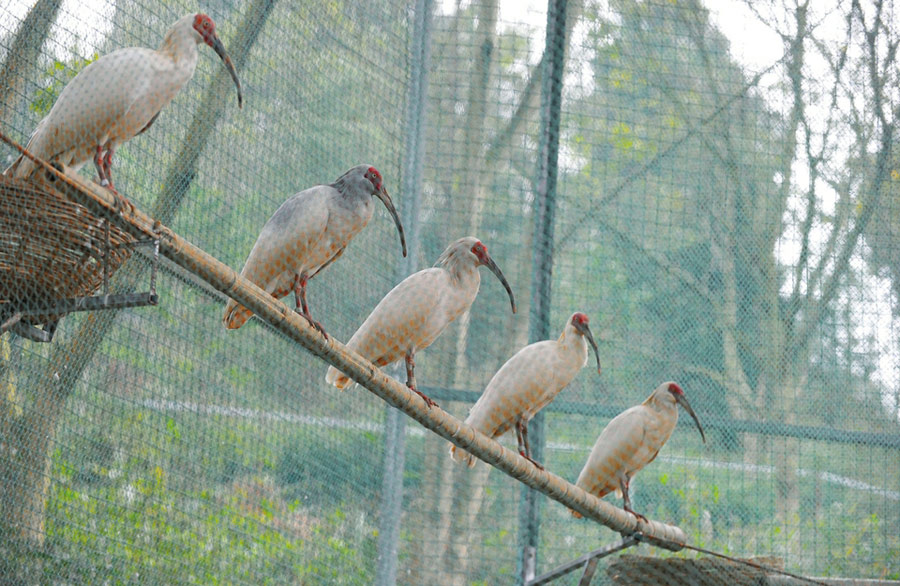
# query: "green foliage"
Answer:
x=323 y=469
x=243 y=531
x=10 y=398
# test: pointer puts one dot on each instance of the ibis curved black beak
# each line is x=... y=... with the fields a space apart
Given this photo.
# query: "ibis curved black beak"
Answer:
x=219 y=48
x=585 y=331
x=382 y=194
x=489 y=263
x=682 y=400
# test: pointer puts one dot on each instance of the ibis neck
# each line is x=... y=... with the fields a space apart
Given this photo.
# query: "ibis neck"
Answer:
x=180 y=46
x=350 y=196
x=571 y=342
x=661 y=405
x=460 y=267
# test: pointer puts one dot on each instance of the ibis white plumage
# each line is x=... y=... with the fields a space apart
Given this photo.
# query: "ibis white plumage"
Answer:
x=307 y=233
x=631 y=441
x=118 y=97
x=415 y=312
x=528 y=382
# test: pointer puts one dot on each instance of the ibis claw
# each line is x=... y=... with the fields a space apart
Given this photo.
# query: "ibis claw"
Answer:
x=120 y=202
x=636 y=514
x=123 y=204
x=537 y=464
x=426 y=398
x=316 y=325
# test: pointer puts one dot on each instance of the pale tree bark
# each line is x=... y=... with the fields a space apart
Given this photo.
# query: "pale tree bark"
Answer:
x=466 y=501
x=25 y=486
x=24 y=55
x=434 y=489
x=461 y=208
x=482 y=160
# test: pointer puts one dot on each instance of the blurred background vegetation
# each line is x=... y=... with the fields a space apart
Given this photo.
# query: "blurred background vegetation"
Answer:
x=725 y=221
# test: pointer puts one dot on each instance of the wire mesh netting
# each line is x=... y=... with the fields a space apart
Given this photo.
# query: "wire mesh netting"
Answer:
x=722 y=212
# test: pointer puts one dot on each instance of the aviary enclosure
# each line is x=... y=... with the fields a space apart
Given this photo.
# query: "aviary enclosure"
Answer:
x=713 y=184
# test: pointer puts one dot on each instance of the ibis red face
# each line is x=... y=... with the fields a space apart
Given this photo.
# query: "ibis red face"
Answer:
x=678 y=393
x=381 y=193
x=580 y=323
x=481 y=253
x=205 y=26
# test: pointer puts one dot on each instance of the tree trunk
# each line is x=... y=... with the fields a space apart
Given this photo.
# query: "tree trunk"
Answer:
x=25 y=485
x=787 y=498
x=462 y=497
x=24 y=55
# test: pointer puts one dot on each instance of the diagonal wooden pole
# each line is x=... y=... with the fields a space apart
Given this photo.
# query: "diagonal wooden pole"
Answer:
x=103 y=203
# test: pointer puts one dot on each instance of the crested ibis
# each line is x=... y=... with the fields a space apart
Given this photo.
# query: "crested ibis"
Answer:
x=309 y=232
x=631 y=441
x=528 y=382
x=415 y=312
x=118 y=97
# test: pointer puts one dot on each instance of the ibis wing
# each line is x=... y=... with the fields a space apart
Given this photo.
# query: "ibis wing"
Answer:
x=403 y=319
x=286 y=240
x=90 y=106
x=613 y=452
x=516 y=389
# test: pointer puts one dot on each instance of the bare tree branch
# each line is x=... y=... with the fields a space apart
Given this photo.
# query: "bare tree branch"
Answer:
x=530 y=99
x=660 y=260
x=799 y=339
x=815 y=161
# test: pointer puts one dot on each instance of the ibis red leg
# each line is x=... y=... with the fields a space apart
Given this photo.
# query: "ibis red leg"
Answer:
x=411 y=378
x=302 y=308
x=624 y=483
x=522 y=439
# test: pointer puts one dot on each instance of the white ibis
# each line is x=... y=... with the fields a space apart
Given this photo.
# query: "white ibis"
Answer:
x=118 y=97
x=306 y=234
x=527 y=383
x=415 y=312
x=631 y=441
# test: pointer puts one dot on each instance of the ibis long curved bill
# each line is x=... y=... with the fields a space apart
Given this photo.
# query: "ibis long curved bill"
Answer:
x=489 y=263
x=382 y=194
x=219 y=48
x=582 y=326
x=682 y=400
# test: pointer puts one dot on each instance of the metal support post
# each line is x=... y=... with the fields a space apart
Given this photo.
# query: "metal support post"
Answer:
x=542 y=264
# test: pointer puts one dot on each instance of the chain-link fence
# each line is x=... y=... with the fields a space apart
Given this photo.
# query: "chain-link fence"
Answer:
x=713 y=185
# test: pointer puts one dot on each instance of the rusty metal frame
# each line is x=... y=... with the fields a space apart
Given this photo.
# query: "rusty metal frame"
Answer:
x=588 y=561
x=14 y=313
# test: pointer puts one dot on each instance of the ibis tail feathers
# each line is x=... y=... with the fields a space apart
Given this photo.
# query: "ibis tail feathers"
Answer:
x=337 y=378
x=460 y=455
x=236 y=315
